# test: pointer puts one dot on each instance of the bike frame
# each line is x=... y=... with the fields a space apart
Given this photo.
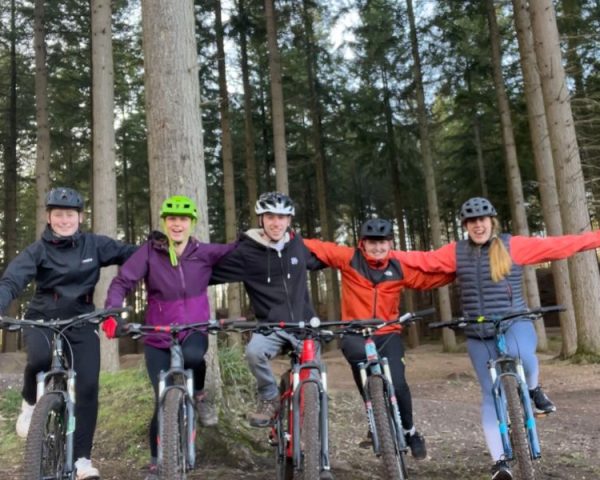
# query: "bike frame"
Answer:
x=301 y=369
x=506 y=365
x=379 y=366
x=54 y=381
x=176 y=377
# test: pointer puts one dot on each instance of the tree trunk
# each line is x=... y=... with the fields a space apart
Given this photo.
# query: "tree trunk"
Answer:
x=233 y=289
x=449 y=339
x=42 y=160
x=10 y=343
x=542 y=155
x=104 y=210
x=277 y=113
x=175 y=147
x=515 y=186
x=333 y=294
x=249 y=150
x=585 y=281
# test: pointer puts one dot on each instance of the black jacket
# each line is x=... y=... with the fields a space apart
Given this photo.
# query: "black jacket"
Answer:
x=276 y=282
x=65 y=271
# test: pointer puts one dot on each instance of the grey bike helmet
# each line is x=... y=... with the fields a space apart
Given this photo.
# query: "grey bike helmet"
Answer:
x=64 y=198
x=274 y=202
x=477 y=207
x=377 y=228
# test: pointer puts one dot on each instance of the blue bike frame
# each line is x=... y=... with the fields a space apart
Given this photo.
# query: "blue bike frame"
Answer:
x=506 y=365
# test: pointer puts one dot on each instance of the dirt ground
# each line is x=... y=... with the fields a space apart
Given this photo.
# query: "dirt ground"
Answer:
x=446 y=403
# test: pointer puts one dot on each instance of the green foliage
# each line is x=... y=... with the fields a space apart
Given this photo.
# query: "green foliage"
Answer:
x=10 y=444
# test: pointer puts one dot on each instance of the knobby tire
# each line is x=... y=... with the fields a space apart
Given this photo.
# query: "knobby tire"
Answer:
x=310 y=439
x=174 y=436
x=393 y=460
x=518 y=431
x=46 y=440
x=283 y=464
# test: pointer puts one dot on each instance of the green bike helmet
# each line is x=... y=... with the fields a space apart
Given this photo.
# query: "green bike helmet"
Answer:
x=179 y=205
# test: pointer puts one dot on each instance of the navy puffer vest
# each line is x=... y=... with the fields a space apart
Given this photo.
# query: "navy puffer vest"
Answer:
x=479 y=294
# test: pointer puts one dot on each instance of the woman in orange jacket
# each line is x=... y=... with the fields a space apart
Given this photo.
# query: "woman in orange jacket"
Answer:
x=371 y=285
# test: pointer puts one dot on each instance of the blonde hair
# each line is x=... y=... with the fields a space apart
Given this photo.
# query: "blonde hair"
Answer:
x=500 y=260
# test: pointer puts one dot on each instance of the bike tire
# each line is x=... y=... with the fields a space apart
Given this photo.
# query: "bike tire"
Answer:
x=284 y=465
x=517 y=430
x=393 y=458
x=310 y=438
x=174 y=436
x=45 y=454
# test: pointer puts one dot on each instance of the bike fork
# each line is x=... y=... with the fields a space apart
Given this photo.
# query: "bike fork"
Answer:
x=530 y=424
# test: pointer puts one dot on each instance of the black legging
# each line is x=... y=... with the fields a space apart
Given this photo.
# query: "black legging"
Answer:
x=157 y=359
x=85 y=344
x=390 y=346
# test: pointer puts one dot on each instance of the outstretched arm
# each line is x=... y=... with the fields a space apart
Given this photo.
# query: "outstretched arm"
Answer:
x=442 y=260
x=531 y=250
x=229 y=268
x=132 y=271
x=331 y=254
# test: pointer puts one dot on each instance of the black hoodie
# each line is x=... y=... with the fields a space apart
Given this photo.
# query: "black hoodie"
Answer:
x=65 y=270
x=275 y=281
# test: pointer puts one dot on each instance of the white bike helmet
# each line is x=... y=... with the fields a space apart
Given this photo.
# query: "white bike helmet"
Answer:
x=274 y=202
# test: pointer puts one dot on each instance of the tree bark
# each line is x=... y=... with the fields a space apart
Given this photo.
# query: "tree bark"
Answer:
x=175 y=147
x=449 y=339
x=233 y=289
x=515 y=186
x=104 y=211
x=542 y=155
x=249 y=150
x=585 y=281
x=277 y=111
x=42 y=160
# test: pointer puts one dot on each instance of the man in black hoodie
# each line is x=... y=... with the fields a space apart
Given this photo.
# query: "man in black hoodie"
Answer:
x=271 y=261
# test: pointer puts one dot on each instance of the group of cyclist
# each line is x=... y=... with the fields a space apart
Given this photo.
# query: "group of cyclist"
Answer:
x=272 y=262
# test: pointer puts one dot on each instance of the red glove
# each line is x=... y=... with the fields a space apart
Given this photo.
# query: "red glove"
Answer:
x=110 y=326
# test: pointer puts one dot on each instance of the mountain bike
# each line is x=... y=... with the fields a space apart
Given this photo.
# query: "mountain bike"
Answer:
x=516 y=419
x=299 y=428
x=381 y=405
x=49 y=445
x=176 y=412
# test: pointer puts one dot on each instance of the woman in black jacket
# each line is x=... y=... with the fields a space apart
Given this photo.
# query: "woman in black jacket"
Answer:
x=65 y=265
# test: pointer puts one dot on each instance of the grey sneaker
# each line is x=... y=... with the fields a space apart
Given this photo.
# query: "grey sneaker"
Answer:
x=265 y=413
x=206 y=410
x=501 y=471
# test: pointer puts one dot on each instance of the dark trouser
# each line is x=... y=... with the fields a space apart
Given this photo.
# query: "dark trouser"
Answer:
x=85 y=345
x=157 y=359
x=390 y=346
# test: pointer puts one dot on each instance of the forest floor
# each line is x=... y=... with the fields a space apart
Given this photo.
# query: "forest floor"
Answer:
x=446 y=403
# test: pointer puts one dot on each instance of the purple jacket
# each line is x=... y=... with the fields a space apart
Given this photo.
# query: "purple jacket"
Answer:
x=175 y=294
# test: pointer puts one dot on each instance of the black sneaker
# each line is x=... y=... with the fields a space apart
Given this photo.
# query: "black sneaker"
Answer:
x=416 y=443
x=267 y=409
x=541 y=401
x=501 y=471
x=368 y=441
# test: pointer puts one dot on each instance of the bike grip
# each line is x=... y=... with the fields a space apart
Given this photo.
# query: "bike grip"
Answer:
x=425 y=312
x=439 y=324
x=552 y=308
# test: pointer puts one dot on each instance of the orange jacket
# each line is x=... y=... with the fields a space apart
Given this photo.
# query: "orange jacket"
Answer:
x=363 y=294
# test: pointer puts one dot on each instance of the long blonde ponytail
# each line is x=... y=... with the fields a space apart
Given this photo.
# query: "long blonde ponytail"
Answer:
x=500 y=260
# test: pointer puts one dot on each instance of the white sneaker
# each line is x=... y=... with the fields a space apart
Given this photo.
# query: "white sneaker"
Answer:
x=85 y=470
x=24 y=419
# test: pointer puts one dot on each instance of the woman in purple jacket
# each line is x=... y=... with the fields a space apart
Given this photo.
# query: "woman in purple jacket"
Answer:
x=176 y=269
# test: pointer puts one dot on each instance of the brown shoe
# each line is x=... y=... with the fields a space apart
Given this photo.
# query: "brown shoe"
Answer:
x=265 y=413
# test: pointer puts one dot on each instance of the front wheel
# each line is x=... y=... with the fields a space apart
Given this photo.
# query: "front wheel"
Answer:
x=517 y=430
x=46 y=441
x=310 y=441
x=393 y=458
x=173 y=437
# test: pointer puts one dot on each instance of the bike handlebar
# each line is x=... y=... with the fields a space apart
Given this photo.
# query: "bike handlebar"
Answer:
x=532 y=313
x=95 y=317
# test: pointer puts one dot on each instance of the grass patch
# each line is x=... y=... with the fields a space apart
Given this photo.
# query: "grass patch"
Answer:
x=10 y=445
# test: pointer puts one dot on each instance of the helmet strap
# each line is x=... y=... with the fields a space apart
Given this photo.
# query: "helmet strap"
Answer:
x=173 y=245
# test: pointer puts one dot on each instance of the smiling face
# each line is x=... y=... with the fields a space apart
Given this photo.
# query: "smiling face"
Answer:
x=377 y=248
x=275 y=225
x=64 y=221
x=479 y=229
x=178 y=228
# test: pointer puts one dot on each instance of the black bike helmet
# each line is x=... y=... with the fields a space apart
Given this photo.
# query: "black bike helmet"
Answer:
x=477 y=207
x=64 y=198
x=377 y=228
x=274 y=202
